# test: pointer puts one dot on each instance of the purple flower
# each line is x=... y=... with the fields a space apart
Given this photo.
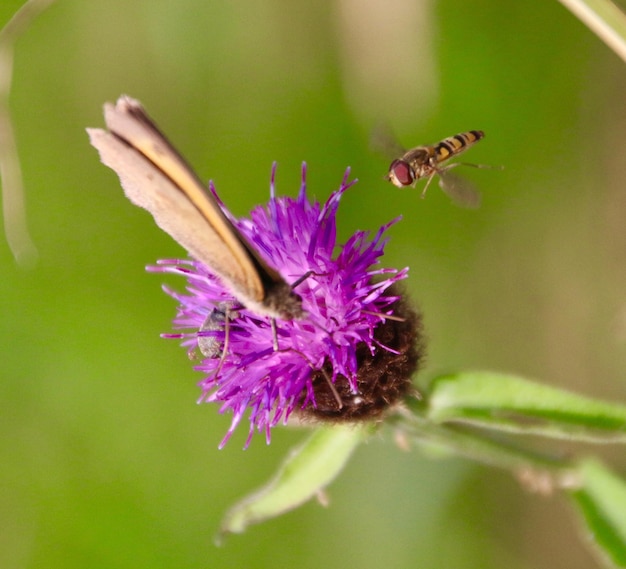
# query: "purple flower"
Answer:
x=353 y=326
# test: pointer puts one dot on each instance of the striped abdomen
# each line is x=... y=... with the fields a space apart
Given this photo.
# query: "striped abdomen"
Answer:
x=456 y=144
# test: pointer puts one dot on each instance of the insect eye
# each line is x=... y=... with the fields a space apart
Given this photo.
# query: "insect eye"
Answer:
x=402 y=172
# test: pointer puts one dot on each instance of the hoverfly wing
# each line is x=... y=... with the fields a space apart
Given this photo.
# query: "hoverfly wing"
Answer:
x=461 y=191
x=384 y=143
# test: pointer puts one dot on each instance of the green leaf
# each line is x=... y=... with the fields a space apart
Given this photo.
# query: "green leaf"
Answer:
x=513 y=404
x=307 y=470
x=601 y=498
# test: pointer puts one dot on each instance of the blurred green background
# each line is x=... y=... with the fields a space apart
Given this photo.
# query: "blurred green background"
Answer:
x=106 y=460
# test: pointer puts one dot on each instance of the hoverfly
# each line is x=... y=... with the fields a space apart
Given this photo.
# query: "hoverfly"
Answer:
x=428 y=161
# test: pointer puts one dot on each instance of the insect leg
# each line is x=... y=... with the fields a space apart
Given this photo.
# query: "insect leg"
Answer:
x=430 y=179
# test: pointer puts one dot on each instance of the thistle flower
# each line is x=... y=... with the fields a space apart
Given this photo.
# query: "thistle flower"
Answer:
x=349 y=358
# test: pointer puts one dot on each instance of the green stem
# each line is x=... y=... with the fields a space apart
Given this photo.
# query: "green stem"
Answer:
x=13 y=208
x=605 y=19
x=480 y=447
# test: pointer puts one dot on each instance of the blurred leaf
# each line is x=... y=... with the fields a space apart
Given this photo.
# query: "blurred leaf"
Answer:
x=307 y=470
x=513 y=404
x=601 y=499
x=603 y=18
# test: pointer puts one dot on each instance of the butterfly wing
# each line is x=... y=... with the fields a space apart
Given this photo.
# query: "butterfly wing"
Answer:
x=155 y=177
